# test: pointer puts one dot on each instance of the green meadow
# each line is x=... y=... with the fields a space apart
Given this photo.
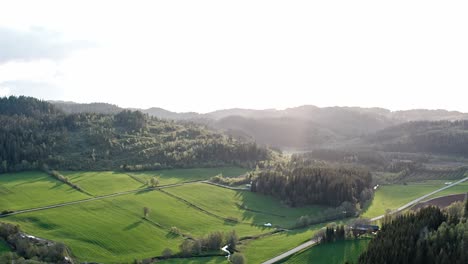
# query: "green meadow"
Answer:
x=243 y=205
x=103 y=182
x=394 y=196
x=113 y=229
x=175 y=176
x=265 y=248
x=332 y=253
x=27 y=190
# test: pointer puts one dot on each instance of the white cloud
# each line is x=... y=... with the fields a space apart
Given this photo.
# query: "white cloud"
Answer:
x=206 y=55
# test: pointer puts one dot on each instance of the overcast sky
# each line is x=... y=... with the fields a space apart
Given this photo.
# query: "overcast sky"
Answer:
x=207 y=55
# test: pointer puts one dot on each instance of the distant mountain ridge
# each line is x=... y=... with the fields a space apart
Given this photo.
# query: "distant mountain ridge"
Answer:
x=302 y=127
x=301 y=111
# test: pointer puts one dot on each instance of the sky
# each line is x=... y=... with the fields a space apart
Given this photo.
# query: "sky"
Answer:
x=207 y=55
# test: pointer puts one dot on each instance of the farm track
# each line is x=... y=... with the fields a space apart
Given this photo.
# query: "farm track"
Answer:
x=313 y=242
x=96 y=198
x=422 y=198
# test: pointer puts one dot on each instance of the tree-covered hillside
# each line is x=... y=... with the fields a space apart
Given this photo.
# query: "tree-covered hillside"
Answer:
x=33 y=133
x=440 y=137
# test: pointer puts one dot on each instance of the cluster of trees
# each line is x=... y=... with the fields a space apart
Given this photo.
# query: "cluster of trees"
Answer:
x=62 y=178
x=333 y=234
x=213 y=241
x=298 y=184
x=231 y=181
x=33 y=133
x=423 y=237
x=31 y=248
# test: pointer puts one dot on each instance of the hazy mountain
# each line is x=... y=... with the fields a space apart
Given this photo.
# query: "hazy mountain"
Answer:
x=165 y=114
x=302 y=127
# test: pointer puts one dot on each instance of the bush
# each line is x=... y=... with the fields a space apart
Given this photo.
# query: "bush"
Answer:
x=238 y=258
x=167 y=253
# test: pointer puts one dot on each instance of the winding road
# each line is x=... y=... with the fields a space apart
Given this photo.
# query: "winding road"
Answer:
x=313 y=242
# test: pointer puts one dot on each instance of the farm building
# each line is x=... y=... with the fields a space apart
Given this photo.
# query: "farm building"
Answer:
x=360 y=229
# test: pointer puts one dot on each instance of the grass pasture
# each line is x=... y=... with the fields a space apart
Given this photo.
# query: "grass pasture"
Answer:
x=394 y=196
x=98 y=231
x=332 y=253
x=265 y=248
x=27 y=190
x=245 y=206
x=459 y=188
x=103 y=182
x=175 y=176
x=112 y=229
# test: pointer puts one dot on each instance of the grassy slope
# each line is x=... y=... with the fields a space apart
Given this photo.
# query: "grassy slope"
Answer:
x=227 y=203
x=394 y=196
x=105 y=182
x=34 y=189
x=113 y=229
x=98 y=231
x=185 y=175
x=169 y=212
x=262 y=249
x=334 y=253
x=460 y=188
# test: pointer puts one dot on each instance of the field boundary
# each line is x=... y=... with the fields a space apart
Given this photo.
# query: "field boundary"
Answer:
x=95 y=198
x=196 y=206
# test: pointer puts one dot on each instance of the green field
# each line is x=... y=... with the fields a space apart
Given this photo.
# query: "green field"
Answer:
x=459 y=188
x=4 y=247
x=105 y=228
x=103 y=182
x=201 y=260
x=112 y=229
x=265 y=248
x=185 y=175
x=333 y=253
x=245 y=206
x=99 y=231
x=34 y=189
x=394 y=196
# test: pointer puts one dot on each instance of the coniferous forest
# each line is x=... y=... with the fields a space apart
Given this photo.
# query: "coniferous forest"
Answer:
x=426 y=237
x=301 y=184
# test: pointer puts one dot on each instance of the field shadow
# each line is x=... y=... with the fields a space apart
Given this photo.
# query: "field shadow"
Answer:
x=133 y=225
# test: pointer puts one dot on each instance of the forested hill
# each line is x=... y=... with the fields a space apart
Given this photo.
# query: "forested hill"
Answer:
x=33 y=133
x=440 y=137
x=304 y=127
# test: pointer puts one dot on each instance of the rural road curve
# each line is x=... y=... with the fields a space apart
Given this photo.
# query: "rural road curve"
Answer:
x=313 y=242
x=291 y=252
x=419 y=199
x=95 y=198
